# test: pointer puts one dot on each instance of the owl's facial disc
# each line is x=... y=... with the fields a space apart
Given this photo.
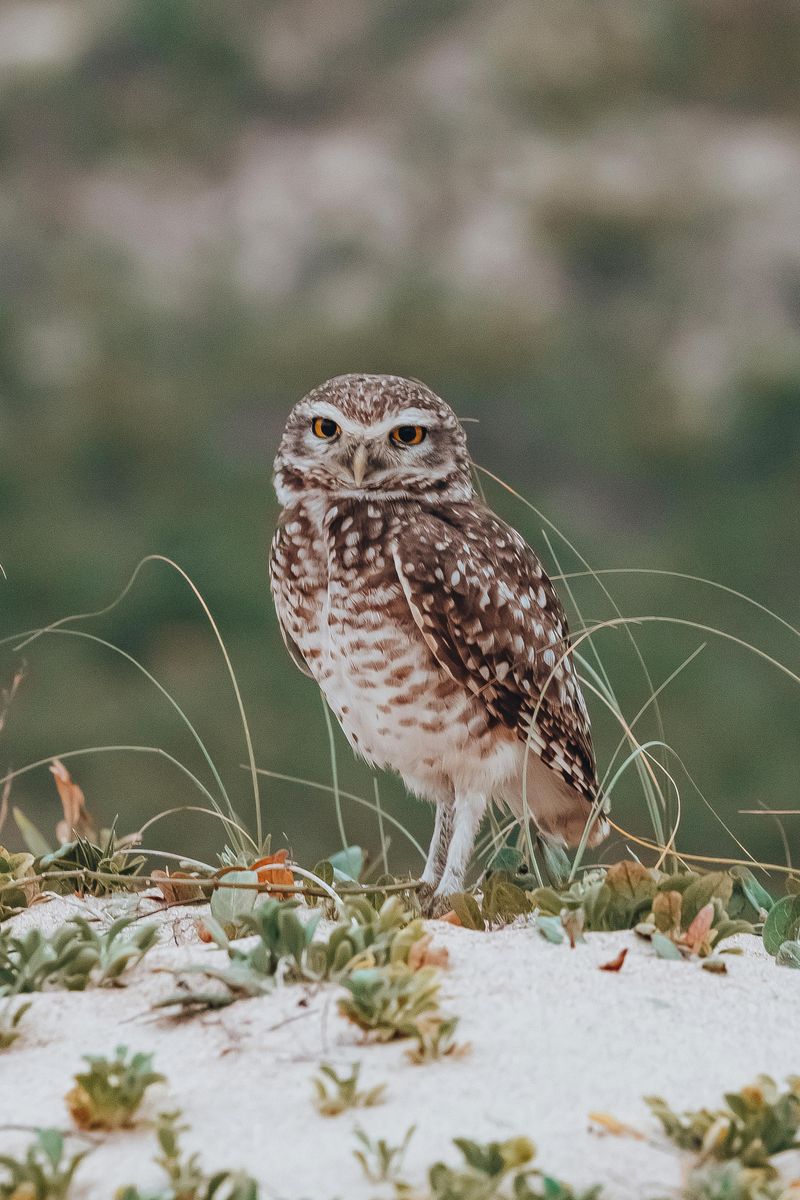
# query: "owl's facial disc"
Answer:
x=376 y=456
x=376 y=435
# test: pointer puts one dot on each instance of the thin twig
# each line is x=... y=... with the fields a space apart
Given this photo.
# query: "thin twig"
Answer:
x=7 y=694
x=4 y=801
x=212 y=884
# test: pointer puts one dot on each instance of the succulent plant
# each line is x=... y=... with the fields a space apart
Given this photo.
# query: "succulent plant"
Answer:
x=388 y=1001
x=334 y=1093
x=43 y=1173
x=186 y=1180
x=74 y=957
x=108 y=1095
x=756 y=1123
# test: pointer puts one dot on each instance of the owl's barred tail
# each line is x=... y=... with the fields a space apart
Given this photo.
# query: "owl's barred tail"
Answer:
x=559 y=810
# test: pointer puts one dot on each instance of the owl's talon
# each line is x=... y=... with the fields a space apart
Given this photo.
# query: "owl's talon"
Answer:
x=425 y=893
x=433 y=904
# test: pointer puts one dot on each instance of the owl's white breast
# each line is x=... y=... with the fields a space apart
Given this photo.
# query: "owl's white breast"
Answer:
x=342 y=603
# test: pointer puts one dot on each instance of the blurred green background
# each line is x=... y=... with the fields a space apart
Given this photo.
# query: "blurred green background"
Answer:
x=578 y=222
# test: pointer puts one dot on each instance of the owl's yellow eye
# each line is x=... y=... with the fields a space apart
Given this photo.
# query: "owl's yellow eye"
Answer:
x=325 y=428
x=408 y=435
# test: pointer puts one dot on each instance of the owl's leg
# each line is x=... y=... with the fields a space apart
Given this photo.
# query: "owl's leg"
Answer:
x=468 y=810
x=440 y=843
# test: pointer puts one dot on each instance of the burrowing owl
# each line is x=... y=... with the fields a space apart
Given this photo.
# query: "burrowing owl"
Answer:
x=428 y=623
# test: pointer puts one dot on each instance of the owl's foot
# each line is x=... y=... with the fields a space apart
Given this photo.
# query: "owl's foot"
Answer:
x=432 y=903
x=425 y=894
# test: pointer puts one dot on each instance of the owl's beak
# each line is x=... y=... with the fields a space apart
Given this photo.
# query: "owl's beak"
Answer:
x=359 y=464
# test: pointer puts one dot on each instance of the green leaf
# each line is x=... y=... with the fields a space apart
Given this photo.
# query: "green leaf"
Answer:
x=625 y=895
x=782 y=924
x=726 y=929
x=701 y=891
x=630 y=879
x=667 y=910
x=33 y=839
x=550 y=928
x=506 y=859
x=486 y=1159
x=216 y=932
x=52 y=1143
x=229 y=905
x=503 y=901
x=664 y=948
x=758 y=896
x=556 y=862
x=789 y=955
x=548 y=901
x=467 y=910
x=348 y=864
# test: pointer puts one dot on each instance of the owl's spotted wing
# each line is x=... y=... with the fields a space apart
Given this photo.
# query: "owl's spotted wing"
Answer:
x=492 y=619
x=293 y=595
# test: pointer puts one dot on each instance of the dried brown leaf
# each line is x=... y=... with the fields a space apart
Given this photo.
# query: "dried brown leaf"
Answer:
x=717 y=966
x=615 y=964
x=424 y=954
x=610 y=1124
x=573 y=920
x=696 y=937
x=667 y=912
x=272 y=870
x=177 y=887
x=77 y=820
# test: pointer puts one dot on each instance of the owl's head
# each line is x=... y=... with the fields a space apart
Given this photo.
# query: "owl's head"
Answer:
x=375 y=435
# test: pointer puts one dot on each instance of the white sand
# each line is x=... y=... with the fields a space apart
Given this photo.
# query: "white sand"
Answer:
x=553 y=1038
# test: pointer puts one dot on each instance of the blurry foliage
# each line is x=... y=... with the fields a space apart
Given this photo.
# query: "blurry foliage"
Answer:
x=683 y=912
x=756 y=1123
x=732 y=1181
x=488 y=1171
x=186 y=1179
x=10 y=1016
x=73 y=957
x=381 y=1161
x=782 y=929
x=208 y=210
x=44 y=1173
x=285 y=949
x=108 y=1094
x=396 y=1002
x=335 y=1093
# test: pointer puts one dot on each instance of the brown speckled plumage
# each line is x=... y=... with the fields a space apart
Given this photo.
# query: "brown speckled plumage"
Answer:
x=429 y=624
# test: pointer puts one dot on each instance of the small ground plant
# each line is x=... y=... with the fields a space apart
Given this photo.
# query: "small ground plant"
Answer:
x=335 y=1093
x=496 y=1170
x=756 y=1123
x=782 y=928
x=380 y=1161
x=370 y=938
x=626 y=895
x=74 y=957
x=15 y=892
x=285 y=949
x=691 y=912
x=732 y=1181
x=108 y=1095
x=10 y=1016
x=388 y=1001
x=186 y=1179
x=44 y=1173
x=488 y=1171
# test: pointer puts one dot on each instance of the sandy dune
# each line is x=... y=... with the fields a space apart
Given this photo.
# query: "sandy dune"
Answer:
x=553 y=1039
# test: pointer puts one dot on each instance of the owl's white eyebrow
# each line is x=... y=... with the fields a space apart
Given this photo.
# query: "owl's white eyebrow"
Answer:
x=407 y=416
